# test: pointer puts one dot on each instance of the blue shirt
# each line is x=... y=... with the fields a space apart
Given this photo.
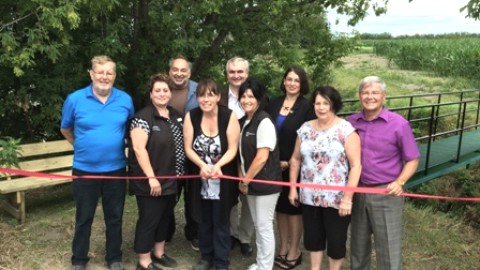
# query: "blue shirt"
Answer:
x=98 y=129
x=192 y=102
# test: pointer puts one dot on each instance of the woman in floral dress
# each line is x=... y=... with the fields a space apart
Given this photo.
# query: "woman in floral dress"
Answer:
x=327 y=152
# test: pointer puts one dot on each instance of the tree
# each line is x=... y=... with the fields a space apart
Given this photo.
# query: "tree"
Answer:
x=47 y=45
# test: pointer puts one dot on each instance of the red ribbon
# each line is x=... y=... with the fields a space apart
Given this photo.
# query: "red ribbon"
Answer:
x=368 y=190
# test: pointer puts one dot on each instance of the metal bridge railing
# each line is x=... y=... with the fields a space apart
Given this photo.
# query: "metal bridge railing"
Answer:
x=435 y=116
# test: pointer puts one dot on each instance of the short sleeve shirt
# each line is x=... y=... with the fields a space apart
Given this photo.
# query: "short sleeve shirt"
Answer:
x=266 y=137
x=324 y=162
x=98 y=128
x=387 y=142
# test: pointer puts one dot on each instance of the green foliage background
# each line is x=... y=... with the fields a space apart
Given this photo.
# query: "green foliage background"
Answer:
x=47 y=46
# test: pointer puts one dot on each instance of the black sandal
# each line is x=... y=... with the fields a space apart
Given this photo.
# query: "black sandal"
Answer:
x=293 y=263
x=280 y=261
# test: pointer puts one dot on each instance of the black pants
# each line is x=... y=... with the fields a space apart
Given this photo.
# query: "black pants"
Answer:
x=153 y=215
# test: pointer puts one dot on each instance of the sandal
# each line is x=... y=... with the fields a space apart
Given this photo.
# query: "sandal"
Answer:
x=280 y=261
x=293 y=263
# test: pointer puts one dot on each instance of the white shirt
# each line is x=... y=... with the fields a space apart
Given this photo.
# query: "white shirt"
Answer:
x=234 y=104
x=264 y=134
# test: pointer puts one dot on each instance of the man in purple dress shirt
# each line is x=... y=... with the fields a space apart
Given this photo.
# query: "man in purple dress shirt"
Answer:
x=390 y=157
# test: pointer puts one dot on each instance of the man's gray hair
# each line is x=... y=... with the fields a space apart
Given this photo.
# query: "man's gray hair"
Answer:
x=369 y=80
x=237 y=59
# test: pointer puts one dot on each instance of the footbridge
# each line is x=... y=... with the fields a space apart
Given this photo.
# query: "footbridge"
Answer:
x=446 y=128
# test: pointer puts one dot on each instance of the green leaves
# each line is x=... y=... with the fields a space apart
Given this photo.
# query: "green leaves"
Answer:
x=36 y=29
x=473 y=9
x=47 y=46
x=9 y=152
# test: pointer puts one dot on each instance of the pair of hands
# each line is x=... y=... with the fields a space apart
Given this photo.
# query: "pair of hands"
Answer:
x=210 y=171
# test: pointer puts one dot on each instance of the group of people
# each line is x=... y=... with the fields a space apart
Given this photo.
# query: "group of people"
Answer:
x=238 y=132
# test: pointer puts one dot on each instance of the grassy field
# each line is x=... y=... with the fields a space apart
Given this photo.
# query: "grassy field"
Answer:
x=444 y=56
x=432 y=240
x=44 y=242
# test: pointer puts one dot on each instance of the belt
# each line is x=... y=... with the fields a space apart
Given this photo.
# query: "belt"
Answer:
x=373 y=185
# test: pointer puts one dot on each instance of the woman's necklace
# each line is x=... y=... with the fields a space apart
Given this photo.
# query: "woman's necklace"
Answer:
x=288 y=104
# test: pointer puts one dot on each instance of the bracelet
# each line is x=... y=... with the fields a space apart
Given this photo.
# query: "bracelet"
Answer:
x=343 y=201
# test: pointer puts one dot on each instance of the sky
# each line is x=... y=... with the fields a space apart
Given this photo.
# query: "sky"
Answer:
x=416 y=17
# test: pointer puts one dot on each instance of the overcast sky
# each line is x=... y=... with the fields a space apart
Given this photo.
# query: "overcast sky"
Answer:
x=417 y=17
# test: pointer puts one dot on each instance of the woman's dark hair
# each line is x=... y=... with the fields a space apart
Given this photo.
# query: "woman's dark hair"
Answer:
x=207 y=86
x=259 y=91
x=159 y=77
x=331 y=94
x=302 y=75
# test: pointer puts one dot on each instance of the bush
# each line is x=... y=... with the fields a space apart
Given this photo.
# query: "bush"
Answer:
x=9 y=152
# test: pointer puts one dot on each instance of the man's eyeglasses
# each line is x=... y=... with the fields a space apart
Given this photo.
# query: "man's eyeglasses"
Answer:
x=372 y=93
x=103 y=73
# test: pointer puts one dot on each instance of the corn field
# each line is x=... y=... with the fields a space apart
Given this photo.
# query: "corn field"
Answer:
x=445 y=57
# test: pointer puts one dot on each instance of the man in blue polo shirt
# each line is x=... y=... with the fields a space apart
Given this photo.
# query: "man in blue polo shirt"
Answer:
x=93 y=121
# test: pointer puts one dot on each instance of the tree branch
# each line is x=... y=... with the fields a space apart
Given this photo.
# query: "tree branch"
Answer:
x=18 y=20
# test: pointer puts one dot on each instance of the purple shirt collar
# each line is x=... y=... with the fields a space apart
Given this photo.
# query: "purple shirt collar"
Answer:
x=387 y=142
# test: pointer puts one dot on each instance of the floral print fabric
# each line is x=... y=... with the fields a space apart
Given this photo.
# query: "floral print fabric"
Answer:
x=324 y=162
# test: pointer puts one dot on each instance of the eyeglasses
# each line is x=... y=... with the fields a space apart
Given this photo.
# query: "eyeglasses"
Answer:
x=104 y=73
x=372 y=93
x=209 y=95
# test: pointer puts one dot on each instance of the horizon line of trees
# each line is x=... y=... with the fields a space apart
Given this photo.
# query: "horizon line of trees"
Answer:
x=386 y=35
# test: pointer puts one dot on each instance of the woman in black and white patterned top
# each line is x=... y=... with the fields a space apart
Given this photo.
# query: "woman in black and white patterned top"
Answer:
x=211 y=141
x=155 y=149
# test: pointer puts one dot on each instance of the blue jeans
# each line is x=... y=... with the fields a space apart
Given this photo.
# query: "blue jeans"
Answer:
x=86 y=193
x=214 y=234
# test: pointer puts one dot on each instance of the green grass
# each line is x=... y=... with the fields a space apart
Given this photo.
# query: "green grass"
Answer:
x=346 y=77
x=432 y=240
x=363 y=49
x=435 y=240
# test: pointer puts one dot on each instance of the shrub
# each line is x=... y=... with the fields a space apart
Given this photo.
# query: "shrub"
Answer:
x=9 y=152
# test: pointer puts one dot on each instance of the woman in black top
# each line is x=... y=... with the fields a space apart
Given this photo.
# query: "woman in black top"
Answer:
x=211 y=141
x=156 y=149
x=289 y=112
x=259 y=160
